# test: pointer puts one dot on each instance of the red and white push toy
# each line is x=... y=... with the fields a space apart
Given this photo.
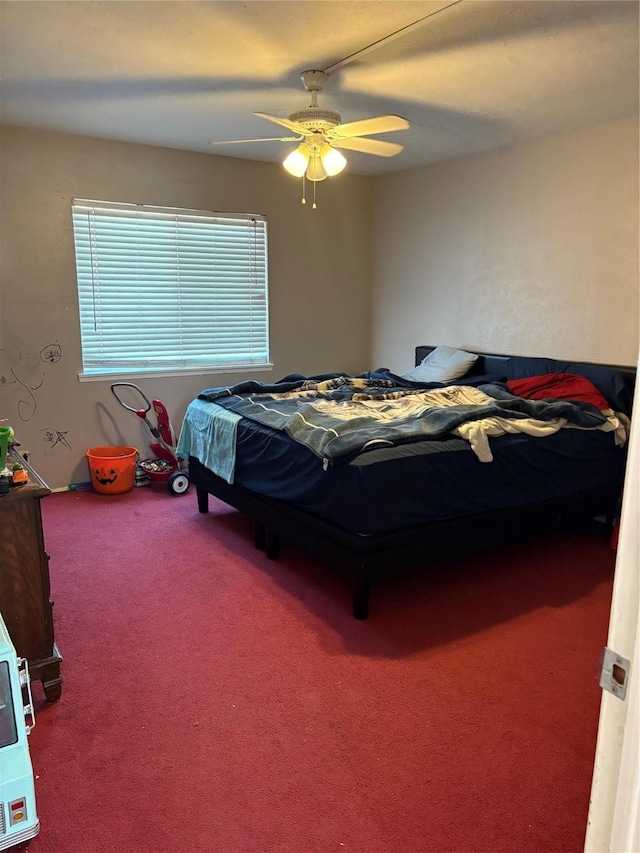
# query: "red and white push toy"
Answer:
x=166 y=467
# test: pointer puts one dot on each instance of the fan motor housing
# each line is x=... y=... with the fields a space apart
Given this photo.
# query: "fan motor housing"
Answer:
x=316 y=118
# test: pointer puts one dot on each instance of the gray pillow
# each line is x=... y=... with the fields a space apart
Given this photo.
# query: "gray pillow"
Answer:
x=443 y=364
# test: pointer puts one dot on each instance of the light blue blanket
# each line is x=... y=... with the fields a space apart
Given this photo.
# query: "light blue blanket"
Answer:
x=209 y=433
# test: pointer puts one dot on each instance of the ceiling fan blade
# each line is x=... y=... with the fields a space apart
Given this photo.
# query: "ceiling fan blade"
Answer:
x=263 y=139
x=380 y=124
x=290 y=125
x=369 y=146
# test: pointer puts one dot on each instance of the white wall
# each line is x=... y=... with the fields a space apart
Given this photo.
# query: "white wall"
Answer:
x=319 y=277
x=531 y=250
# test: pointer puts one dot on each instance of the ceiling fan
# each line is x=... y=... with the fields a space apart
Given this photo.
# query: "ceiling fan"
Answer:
x=320 y=132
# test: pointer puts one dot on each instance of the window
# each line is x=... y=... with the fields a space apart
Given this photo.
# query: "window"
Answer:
x=8 y=730
x=170 y=290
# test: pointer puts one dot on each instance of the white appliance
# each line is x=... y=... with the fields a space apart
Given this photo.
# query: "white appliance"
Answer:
x=18 y=816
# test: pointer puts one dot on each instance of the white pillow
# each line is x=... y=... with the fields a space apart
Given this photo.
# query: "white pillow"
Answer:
x=443 y=364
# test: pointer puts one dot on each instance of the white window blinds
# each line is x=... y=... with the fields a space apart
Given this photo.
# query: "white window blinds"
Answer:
x=166 y=289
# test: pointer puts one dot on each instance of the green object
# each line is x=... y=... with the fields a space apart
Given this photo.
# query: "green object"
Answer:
x=5 y=434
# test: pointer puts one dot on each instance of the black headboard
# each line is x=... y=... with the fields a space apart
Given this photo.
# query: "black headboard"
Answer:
x=616 y=382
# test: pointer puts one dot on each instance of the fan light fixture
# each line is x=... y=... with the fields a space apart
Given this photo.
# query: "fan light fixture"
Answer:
x=315 y=162
x=319 y=133
x=297 y=161
x=332 y=160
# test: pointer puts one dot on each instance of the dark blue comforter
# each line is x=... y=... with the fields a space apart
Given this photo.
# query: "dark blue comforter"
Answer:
x=338 y=416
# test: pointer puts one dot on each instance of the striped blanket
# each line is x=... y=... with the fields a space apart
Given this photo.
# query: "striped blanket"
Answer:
x=342 y=416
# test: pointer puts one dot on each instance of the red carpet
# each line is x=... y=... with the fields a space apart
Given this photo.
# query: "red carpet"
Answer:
x=216 y=701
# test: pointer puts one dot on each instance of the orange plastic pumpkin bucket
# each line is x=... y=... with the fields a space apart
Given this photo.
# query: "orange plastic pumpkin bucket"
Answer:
x=113 y=469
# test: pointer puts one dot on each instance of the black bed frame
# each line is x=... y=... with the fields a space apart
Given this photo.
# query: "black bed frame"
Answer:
x=364 y=558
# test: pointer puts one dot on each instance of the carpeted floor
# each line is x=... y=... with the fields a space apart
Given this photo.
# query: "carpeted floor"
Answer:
x=216 y=701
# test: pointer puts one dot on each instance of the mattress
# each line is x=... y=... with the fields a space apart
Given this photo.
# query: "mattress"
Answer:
x=395 y=487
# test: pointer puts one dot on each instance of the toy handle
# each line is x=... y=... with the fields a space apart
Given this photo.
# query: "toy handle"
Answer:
x=140 y=412
x=25 y=681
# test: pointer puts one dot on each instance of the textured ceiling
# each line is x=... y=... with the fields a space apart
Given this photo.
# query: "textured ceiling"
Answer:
x=473 y=77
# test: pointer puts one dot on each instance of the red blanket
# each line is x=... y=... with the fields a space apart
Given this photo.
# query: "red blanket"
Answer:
x=564 y=386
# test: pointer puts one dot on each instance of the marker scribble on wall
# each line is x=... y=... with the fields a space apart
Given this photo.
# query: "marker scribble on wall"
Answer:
x=24 y=375
x=26 y=407
x=53 y=437
x=51 y=354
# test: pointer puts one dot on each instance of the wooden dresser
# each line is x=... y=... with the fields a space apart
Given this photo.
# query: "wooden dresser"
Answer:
x=24 y=580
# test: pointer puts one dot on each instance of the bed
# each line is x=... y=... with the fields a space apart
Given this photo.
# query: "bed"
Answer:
x=378 y=472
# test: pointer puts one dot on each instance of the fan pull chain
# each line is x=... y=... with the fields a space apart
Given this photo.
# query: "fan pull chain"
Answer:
x=314 y=206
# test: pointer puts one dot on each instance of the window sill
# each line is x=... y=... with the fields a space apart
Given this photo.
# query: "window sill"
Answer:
x=192 y=371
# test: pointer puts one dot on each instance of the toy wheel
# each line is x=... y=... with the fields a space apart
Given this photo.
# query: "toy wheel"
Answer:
x=178 y=483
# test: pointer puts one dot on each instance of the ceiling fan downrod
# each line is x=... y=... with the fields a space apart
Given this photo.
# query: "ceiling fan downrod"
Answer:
x=314 y=81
